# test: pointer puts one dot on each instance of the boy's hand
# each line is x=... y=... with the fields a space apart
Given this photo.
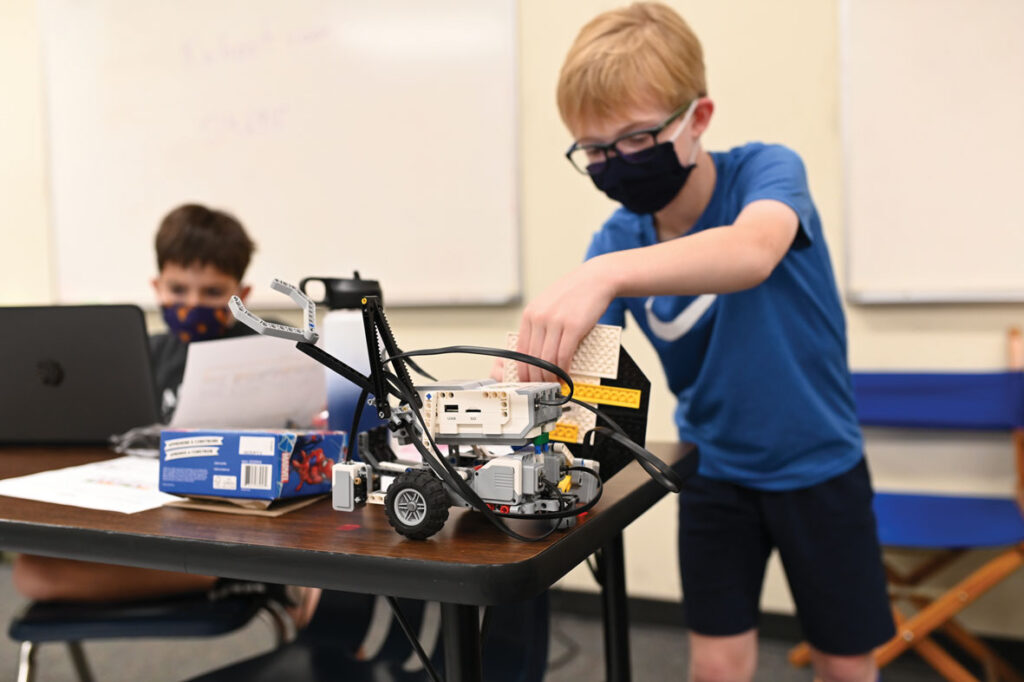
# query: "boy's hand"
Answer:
x=555 y=322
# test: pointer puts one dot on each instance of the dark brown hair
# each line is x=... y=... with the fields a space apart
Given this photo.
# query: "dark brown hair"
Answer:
x=195 y=235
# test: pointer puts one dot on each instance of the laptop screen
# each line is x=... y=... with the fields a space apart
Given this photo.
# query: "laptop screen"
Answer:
x=73 y=374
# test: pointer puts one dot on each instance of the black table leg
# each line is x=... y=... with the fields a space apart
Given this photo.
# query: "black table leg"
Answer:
x=615 y=612
x=460 y=628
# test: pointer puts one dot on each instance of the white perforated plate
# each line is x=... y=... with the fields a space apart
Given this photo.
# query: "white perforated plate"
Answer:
x=597 y=356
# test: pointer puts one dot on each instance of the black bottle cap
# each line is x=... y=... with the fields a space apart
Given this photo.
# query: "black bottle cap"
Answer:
x=342 y=294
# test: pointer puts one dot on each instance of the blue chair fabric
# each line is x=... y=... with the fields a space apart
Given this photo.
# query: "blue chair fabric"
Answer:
x=190 y=615
x=978 y=400
x=928 y=400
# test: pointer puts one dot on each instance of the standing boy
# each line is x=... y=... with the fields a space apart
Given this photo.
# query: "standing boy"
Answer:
x=721 y=261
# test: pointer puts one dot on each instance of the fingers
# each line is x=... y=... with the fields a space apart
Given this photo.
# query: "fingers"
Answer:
x=546 y=337
x=568 y=343
x=549 y=351
x=538 y=333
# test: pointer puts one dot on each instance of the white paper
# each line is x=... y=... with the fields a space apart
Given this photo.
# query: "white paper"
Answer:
x=125 y=484
x=249 y=382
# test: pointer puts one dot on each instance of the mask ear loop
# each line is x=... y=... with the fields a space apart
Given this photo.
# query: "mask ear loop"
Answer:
x=682 y=125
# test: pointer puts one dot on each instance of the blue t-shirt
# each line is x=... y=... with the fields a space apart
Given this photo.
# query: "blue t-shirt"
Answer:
x=761 y=375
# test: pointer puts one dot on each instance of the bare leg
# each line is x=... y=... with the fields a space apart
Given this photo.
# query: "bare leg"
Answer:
x=302 y=613
x=47 y=579
x=831 y=668
x=42 y=578
x=731 y=658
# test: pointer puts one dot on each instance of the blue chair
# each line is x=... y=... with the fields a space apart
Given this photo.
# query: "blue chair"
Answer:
x=188 y=615
x=953 y=525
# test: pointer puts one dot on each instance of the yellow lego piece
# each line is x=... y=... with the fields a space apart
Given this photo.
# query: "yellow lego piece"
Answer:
x=567 y=433
x=581 y=419
x=565 y=483
x=605 y=395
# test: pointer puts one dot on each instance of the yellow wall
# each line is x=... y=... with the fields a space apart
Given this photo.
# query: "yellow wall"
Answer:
x=24 y=215
x=773 y=71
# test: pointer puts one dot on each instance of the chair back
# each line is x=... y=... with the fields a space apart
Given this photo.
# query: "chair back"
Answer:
x=990 y=401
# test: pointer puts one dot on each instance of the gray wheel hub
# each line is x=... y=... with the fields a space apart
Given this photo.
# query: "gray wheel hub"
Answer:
x=410 y=506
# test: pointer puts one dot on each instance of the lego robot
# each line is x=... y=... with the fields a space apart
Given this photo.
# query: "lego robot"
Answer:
x=500 y=457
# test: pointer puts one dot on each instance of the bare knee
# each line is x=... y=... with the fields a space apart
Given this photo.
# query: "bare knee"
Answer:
x=37 y=577
x=830 y=668
x=723 y=659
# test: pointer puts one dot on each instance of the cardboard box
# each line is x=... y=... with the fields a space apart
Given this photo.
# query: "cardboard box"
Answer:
x=264 y=465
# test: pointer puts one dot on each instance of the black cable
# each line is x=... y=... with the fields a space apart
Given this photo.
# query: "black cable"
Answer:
x=419 y=370
x=413 y=640
x=454 y=480
x=439 y=464
x=498 y=353
x=563 y=503
x=355 y=423
x=565 y=512
x=662 y=473
x=447 y=473
x=655 y=468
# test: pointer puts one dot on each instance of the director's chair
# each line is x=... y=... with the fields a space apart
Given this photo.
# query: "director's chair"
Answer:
x=952 y=525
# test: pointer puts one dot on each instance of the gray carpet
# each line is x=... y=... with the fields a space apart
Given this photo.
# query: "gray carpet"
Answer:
x=658 y=653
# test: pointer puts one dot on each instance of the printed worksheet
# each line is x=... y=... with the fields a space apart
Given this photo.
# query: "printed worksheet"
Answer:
x=126 y=485
x=249 y=382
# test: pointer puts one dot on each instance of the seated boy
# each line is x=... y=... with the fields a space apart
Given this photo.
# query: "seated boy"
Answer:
x=721 y=261
x=202 y=256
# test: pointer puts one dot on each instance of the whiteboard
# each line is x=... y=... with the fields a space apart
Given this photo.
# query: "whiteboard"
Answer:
x=933 y=128
x=378 y=136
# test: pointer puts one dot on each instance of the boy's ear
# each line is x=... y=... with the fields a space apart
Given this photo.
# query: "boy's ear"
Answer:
x=243 y=292
x=155 y=282
x=702 y=115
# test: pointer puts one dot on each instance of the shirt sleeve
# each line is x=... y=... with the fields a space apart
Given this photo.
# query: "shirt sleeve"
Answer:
x=777 y=172
x=616 y=312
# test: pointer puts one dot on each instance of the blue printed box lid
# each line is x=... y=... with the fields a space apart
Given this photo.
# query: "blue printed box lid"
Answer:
x=265 y=465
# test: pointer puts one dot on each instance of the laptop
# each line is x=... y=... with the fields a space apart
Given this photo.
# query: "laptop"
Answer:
x=74 y=374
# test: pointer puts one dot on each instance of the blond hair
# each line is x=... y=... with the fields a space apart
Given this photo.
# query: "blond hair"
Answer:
x=643 y=54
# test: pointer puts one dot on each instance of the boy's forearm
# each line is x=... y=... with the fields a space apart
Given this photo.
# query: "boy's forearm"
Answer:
x=715 y=261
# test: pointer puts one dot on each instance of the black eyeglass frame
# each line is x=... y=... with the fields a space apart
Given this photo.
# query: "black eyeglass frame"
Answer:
x=605 y=148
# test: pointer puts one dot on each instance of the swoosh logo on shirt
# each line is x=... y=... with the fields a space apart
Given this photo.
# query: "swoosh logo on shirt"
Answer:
x=677 y=328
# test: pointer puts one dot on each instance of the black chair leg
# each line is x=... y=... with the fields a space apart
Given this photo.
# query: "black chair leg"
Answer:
x=79 y=662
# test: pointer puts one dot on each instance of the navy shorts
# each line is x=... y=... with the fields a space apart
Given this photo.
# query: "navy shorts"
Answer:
x=828 y=542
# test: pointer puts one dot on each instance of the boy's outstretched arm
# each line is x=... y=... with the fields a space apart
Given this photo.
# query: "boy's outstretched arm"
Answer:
x=715 y=261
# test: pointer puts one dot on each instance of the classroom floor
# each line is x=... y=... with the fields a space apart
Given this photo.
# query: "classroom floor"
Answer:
x=659 y=653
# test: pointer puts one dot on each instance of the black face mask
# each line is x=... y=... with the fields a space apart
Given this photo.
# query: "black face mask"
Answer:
x=646 y=182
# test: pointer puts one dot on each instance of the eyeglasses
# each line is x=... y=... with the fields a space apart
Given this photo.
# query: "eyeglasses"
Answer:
x=633 y=147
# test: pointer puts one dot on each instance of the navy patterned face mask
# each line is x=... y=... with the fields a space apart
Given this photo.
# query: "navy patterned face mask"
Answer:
x=196 y=323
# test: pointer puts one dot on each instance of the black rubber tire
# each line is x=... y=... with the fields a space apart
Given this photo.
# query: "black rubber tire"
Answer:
x=422 y=487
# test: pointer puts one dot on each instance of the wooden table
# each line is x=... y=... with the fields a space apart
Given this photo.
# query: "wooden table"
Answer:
x=468 y=564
